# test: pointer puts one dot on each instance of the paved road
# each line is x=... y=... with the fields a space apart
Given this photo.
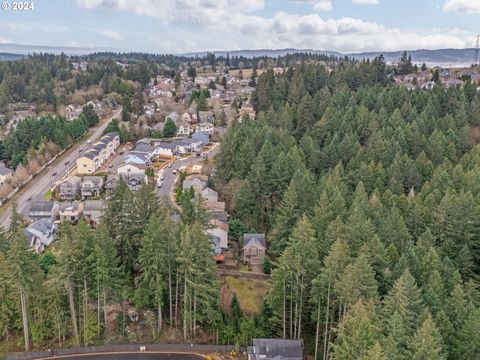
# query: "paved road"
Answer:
x=169 y=178
x=39 y=185
x=132 y=356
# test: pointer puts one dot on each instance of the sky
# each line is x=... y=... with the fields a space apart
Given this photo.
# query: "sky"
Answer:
x=180 y=26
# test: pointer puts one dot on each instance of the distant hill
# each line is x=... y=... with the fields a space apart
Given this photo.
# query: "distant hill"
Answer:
x=440 y=57
x=29 y=49
x=10 y=57
x=262 y=52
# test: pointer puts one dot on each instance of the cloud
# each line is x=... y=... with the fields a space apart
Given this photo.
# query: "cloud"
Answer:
x=169 y=10
x=206 y=24
x=462 y=6
x=111 y=35
x=4 y=40
x=366 y=2
x=318 y=5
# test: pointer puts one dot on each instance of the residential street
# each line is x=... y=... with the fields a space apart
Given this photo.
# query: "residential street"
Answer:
x=39 y=185
x=169 y=178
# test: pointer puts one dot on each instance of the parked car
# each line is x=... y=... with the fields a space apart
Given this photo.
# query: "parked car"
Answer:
x=159 y=184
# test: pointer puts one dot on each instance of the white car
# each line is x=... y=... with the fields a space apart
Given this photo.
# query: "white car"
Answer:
x=159 y=184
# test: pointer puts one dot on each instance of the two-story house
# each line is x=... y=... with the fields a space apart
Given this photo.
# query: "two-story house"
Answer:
x=40 y=234
x=91 y=186
x=43 y=210
x=254 y=248
x=69 y=188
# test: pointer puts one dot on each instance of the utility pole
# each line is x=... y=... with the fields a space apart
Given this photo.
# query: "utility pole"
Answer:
x=477 y=51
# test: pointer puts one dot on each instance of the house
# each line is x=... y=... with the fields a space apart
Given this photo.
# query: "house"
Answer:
x=186 y=117
x=6 y=173
x=131 y=169
x=219 y=234
x=71 y=211
x=183 y=147
x=206 y=128
x=275 y=349
x=43 y=210
x=166 y=149
x=93 y=211
x=96 y=106
x=135 y=181
x=209 y=194
x=183 y=128
x=205 y=116
x=96 y=155
x=172 y=116
x=140 y=159
x=40 y=234
x=111 y=182
x=91 y=186
x=143 y=141
x=254 y=247
x=72 y=112
x=197 y=182
x=145 y=152
x=69 y=188
x=201 y=136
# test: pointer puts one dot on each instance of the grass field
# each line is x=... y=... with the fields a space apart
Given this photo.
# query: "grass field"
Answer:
x=250 y=294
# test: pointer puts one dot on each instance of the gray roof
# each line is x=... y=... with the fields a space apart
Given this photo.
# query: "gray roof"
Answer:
x=111 y=182
x=4 y=170
x=287 y=349
x=91 y=154
x=92 y=205
x=134 y=176
x=165 y=145
x=96 y=180
x=142 y=148
x=40 y=229
x=70 y=206
x=95 y=149
x=144 y=141
x=181 y=142
x=43 y=206
x=247 y=238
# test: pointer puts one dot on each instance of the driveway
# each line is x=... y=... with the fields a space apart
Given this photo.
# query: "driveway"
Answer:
x=41 y=183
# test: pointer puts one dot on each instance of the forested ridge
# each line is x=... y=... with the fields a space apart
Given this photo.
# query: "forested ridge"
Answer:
x=369 y=197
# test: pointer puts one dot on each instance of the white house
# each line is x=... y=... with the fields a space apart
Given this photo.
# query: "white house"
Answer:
x=166 y=149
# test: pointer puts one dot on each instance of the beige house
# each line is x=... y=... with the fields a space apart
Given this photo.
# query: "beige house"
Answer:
x=254 y=248
x=96 y=155
x=71 y=211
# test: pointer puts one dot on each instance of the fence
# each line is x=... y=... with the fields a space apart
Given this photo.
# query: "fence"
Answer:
x=186 y=348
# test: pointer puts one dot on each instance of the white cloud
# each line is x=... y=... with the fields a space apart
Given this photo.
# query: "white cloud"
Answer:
x=318 y=5
x=462 y=6
x=366 y=2
x=111 y=35
x=4 y=40
x=230 y=24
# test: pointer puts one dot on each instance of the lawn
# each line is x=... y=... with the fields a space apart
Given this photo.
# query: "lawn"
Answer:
x=48 y=195
x=250 y=293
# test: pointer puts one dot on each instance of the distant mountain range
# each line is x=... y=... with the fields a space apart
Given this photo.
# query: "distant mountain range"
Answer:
x=440 y=57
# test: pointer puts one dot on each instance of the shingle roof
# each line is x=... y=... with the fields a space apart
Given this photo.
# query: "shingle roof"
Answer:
x=248 y=238
x=277 y=348
x=91 y=205
x=43 y=206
